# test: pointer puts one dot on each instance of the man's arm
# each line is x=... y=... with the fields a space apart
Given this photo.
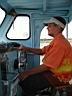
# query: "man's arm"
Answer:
x=32 y=50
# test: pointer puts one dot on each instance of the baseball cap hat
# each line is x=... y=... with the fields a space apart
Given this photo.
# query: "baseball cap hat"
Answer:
x=57 y=20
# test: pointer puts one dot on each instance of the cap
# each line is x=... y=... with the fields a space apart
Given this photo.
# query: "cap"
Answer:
x=57 y=20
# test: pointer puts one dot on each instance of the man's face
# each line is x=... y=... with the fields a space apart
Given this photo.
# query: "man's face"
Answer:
x=52 y=28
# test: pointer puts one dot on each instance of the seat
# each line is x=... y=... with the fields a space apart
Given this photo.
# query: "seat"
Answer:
x=57 y=88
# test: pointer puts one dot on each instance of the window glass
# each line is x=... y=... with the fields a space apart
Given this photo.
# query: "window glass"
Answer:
x=70 y=32
x=65 y=32
x=20 y=28
x=45 y=39
x=2 y=15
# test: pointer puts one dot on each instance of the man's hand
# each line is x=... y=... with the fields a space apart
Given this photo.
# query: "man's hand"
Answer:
x=22 y=48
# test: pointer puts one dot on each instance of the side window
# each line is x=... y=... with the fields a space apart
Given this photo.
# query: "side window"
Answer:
x=2 y=15
x=65 y=31
x=70 y=32
x=20 y=28
x=45 y=39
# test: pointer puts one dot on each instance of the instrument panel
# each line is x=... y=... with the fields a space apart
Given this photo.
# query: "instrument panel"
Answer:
x=12 y=62
x=14 y=59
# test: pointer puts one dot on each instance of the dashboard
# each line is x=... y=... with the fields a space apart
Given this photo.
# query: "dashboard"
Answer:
x=11 y=64
x=15 y=60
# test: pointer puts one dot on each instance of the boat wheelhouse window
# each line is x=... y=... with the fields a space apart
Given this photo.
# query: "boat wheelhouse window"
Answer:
x=45 y=39
x=70 y=32
x=2 y=15
x=20 y=28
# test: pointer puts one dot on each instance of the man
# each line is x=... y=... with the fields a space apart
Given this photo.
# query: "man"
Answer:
x=57 y=59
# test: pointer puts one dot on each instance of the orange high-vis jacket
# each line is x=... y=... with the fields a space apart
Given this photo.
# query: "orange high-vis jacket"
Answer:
x=58 y=56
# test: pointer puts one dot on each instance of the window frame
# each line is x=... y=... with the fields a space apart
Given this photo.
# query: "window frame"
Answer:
x=13 y=22
x=4 y=16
